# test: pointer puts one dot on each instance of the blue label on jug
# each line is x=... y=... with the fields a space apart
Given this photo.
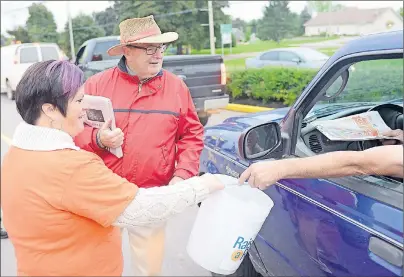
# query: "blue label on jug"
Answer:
x=240 y=247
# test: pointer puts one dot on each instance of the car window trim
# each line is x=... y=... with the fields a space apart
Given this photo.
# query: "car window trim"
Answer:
x=311 y=94
x=310 y=87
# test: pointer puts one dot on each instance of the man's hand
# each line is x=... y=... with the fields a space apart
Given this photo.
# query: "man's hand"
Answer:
x=395 y=135
x=175 y=180
x=262 y=174
x=108 y=138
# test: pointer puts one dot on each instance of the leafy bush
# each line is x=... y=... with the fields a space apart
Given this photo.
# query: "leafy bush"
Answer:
x=270 y=84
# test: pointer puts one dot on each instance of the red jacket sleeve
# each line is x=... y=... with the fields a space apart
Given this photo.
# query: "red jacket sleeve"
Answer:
x=190 y=138
x=86 y=140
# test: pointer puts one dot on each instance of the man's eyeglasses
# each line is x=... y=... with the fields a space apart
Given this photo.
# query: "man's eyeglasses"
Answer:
x=150 y=50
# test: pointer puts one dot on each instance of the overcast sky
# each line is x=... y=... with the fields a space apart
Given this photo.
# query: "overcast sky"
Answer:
x=15 y=13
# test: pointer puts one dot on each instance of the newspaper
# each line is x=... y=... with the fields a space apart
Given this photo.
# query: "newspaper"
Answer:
x=364 y=126
x=98 y=110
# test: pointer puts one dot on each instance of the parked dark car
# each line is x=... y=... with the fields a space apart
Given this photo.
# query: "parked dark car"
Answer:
x=351 y=226
x=205 y=75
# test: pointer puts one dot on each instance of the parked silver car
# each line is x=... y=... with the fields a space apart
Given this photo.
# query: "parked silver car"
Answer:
x=293 y=57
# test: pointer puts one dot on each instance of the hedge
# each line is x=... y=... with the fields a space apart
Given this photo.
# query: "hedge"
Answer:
x=269 y=84
x=375 y=80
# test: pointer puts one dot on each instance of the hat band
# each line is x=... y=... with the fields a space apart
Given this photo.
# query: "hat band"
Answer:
x=148 y=33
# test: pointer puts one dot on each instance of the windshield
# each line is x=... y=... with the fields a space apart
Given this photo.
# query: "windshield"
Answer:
x=370 y=83
x=312 y=55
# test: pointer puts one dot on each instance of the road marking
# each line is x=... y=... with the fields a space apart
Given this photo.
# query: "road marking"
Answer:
x=6 y=139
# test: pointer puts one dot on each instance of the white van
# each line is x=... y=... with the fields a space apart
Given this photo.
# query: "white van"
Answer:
x=16 y=58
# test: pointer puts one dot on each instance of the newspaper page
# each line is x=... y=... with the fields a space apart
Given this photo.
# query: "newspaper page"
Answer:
x=364 y=126
x=99 y=110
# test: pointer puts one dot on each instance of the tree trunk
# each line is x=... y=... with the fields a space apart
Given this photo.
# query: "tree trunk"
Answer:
x=179 y=49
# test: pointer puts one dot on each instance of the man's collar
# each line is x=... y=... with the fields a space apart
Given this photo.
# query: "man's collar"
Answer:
x=130 y=71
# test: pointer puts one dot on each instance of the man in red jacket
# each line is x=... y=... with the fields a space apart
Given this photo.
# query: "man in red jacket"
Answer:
x=157 y=125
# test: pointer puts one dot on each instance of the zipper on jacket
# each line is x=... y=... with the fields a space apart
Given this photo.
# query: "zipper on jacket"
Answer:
x=142 y=82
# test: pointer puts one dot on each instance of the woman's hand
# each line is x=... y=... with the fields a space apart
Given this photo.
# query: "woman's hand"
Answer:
x=213 y=183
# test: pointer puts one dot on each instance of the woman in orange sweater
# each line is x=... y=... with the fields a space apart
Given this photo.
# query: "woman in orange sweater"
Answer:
x=62 y=206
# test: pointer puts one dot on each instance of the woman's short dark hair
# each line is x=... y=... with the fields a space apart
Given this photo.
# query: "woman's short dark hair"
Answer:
x=53 y=82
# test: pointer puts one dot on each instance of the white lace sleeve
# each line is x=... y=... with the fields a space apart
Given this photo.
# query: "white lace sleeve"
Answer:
x=155 y=205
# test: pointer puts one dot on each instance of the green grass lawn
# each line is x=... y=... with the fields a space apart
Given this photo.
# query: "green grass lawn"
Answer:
x=328 y=51
x=264 y=45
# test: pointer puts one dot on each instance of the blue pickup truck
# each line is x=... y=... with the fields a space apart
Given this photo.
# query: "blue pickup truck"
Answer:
x=350 y=226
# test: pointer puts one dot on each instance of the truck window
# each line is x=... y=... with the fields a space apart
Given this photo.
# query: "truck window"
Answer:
x=49 y=53
x=100 y=50
x=29 y=55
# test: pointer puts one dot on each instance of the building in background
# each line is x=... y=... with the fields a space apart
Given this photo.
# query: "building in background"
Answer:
x=354 y=21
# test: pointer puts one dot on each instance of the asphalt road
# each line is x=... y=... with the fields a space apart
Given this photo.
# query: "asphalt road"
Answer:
x=176 y=262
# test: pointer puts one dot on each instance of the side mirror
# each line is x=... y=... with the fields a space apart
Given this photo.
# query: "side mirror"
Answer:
x=260 y=140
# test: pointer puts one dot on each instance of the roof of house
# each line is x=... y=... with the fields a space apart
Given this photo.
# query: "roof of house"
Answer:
x=351 y=15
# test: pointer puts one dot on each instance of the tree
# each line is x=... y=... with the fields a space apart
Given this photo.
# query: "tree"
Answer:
x=303 y=18
x=337 y=7
x=183 y=17
x=319 y=6
x=41 y=24
x=20 y=34
x=84 y=28
x=401 y=12
x=253 y=24
x=277 y=21
x=323 y=6
x=108 y=20
x=240 y=24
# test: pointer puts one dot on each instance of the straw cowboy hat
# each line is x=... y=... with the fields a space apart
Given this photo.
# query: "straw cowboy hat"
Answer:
x=140 y=30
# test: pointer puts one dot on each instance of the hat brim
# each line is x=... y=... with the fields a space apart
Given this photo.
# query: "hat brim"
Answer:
x=163 y=38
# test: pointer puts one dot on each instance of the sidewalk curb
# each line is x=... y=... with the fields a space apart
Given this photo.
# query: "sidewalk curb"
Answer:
x=246 y=108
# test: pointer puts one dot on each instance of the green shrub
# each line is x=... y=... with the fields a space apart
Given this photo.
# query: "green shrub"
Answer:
x=270 y=84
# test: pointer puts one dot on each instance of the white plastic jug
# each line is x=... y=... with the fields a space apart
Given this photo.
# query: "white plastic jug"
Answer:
x=226 y=225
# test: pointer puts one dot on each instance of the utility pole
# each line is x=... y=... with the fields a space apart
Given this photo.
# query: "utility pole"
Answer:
x=211 y=29
x=70 y=30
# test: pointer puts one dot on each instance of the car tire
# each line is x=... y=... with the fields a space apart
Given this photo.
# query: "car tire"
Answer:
x=246 y=269
x=10 y=93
